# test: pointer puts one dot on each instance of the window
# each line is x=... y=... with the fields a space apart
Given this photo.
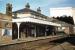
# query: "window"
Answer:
x=6 y=30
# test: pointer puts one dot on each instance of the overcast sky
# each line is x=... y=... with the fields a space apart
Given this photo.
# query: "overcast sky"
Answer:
x=44 y=4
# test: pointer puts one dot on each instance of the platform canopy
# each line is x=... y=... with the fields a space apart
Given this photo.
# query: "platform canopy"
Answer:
x=35 y=20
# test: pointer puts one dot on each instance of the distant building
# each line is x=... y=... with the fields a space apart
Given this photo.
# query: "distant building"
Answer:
x=6 y=23
x=63 y=11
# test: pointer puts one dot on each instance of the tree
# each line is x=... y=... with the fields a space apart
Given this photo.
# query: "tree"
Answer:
x=67 y=19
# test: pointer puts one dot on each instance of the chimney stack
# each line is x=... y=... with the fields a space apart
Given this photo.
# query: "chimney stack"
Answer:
x=9 y=9
x=38 y=10
x=27 y=6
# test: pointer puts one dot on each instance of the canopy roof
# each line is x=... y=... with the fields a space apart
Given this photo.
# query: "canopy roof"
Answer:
x=35 y=20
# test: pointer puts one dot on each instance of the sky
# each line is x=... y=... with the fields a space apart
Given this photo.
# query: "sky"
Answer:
x=34 y=4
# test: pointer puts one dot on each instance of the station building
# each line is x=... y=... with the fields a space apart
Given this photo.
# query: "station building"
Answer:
x=29 y=23
x=26 y=22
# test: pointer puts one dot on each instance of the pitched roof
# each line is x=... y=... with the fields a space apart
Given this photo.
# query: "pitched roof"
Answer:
x=31 y=12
